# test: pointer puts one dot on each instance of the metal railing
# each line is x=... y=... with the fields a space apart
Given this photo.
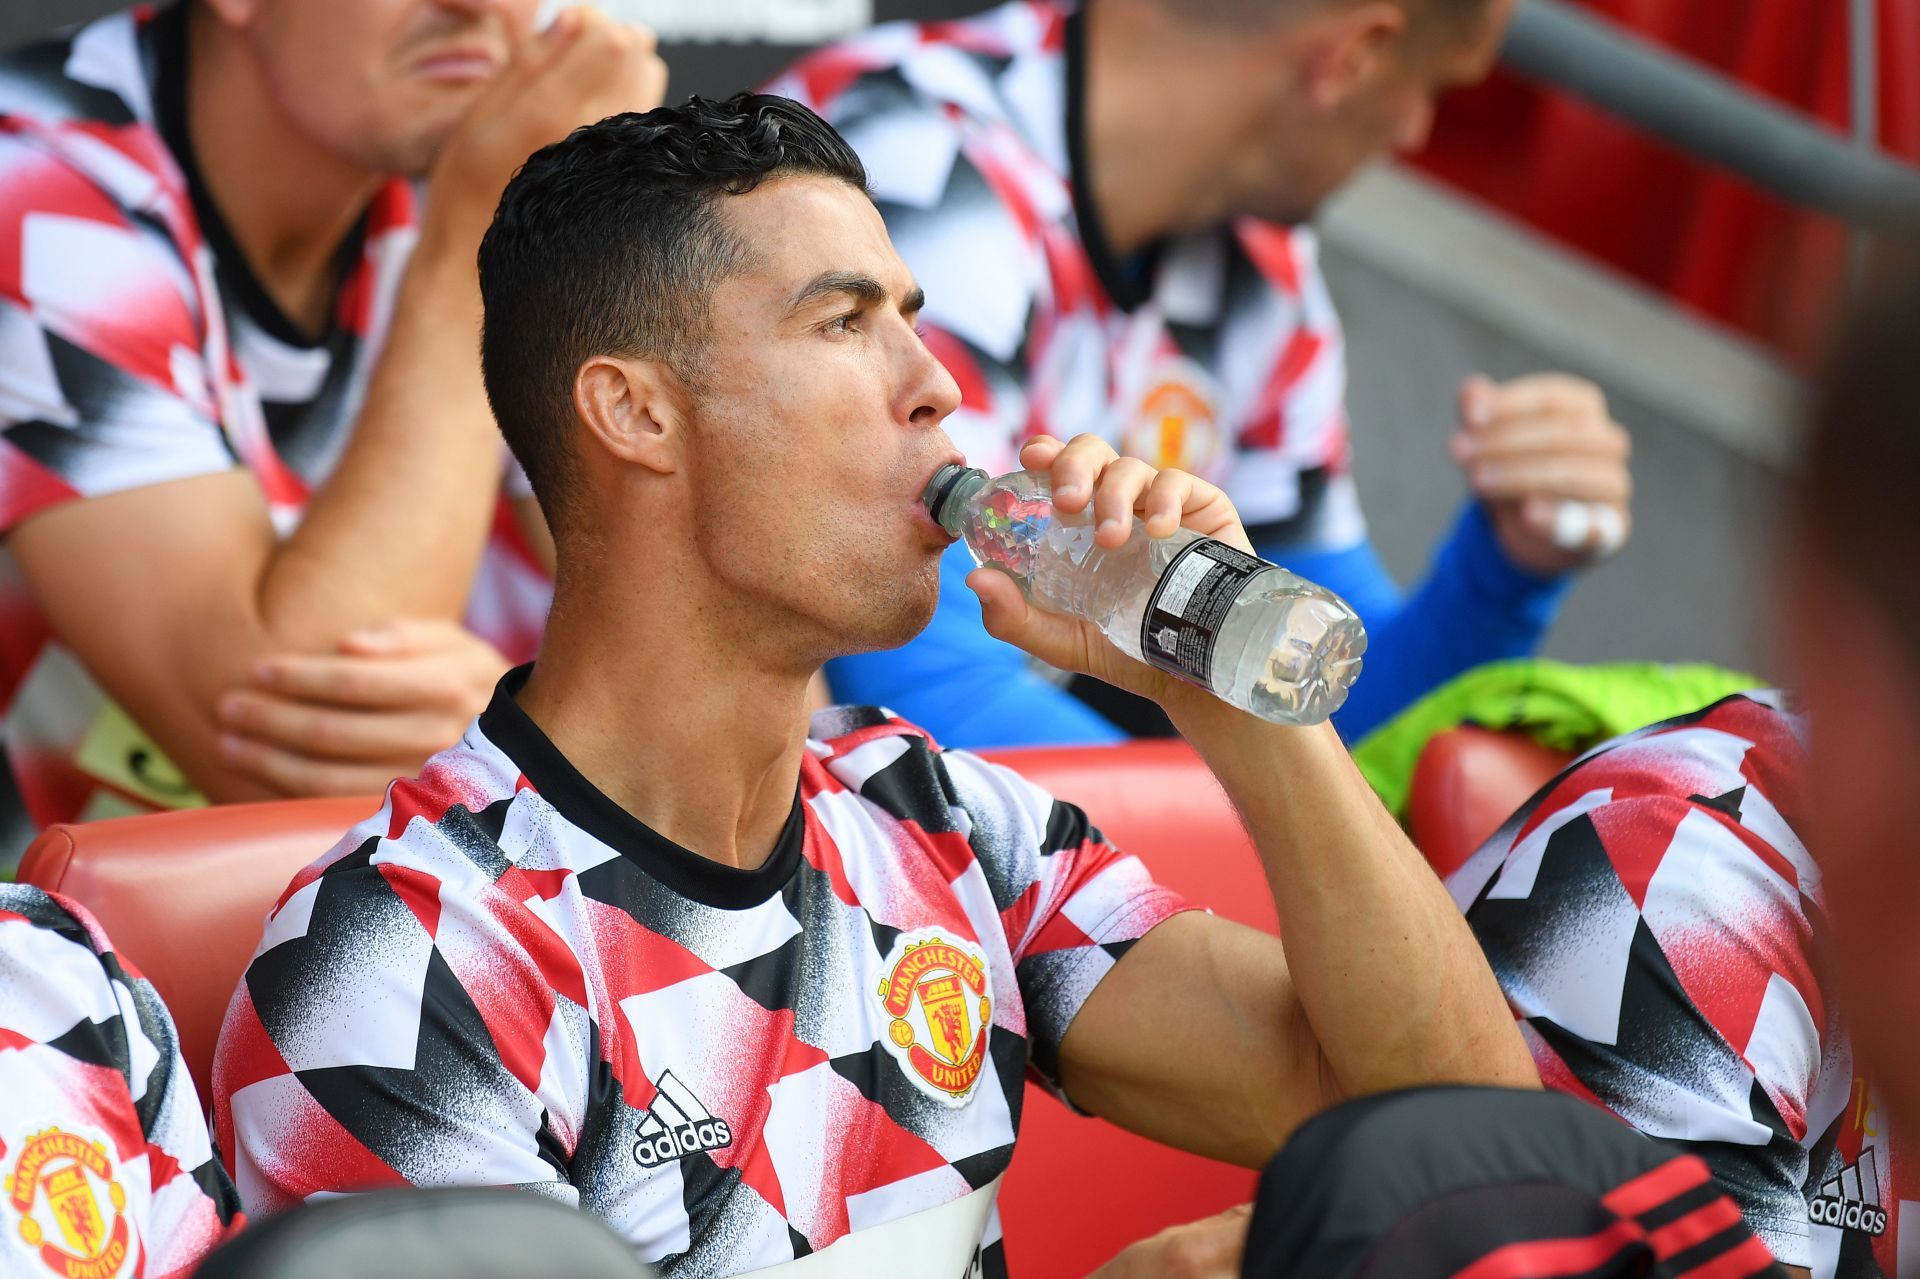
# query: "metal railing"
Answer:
x=1720 y=121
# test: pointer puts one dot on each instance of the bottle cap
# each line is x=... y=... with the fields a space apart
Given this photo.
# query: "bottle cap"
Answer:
x=941 y=489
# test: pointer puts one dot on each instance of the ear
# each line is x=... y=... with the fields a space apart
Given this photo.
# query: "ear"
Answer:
x=1350 y=50
x=636 y=410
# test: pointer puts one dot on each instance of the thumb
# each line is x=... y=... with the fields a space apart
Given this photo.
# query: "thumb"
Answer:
x=1010 y=617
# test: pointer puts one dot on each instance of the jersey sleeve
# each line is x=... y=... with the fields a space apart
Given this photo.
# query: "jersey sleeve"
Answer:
x=104 y=384
x=1650 y=919
x=96 y=1104
x=399 y=1025
x=1071 y=903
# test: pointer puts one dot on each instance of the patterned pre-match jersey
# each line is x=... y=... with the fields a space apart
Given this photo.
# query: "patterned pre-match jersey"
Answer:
x=136 y=348
x=1219 y=353
x=1651 y=915
x=108 y=1172
x=504 y=978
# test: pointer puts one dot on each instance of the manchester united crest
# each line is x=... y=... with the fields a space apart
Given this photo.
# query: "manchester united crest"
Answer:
x=70 y=1205
x=1175 y=422
x=939 y=1011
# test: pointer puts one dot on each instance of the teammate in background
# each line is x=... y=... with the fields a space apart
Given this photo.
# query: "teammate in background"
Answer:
x=1707 y=927
x=107 y=1166
x=247 y=471
x=752 y=992
x=1101 y=205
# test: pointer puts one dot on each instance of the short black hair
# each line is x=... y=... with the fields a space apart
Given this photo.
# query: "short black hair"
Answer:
x=609 y=242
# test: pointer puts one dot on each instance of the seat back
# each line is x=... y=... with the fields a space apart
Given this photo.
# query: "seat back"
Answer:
x=183 y=895
x=1080 y=1189
x=1466 y=783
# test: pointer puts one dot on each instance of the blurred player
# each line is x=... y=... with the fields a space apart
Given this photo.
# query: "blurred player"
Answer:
x=248 y=479
x=1102 y=204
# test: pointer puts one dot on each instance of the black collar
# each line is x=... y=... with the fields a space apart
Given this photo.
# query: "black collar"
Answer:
x=1125 y=282
x=684 y=871
x=236 y=274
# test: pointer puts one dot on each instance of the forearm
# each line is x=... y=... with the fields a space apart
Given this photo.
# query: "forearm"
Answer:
x=399 y=526
x=1382 y=964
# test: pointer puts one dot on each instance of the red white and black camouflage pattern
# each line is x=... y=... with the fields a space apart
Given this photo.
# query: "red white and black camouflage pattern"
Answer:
x=1225 y=358
x=109 y=1172
x=134 y=351
x=1653 y=917
x=504 y=978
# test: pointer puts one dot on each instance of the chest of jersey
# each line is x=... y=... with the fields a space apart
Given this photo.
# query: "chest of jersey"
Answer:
x=770 y=1080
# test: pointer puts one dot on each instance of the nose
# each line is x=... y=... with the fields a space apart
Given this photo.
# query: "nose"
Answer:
x=928 y=391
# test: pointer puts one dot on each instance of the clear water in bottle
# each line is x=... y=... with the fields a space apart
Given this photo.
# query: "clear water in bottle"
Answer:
x=1250 y=632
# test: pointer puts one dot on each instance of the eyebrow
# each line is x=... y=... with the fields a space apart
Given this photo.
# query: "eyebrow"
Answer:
x=862 y=287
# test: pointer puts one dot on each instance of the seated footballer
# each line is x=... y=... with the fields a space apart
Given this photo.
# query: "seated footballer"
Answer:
x=752 y=992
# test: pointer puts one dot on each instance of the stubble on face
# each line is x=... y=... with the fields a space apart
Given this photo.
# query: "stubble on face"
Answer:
x=352 y=73
x=798 y=475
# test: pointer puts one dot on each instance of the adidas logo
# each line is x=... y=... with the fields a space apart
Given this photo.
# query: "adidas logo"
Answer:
x=1851 y=1201
x=677 y=1125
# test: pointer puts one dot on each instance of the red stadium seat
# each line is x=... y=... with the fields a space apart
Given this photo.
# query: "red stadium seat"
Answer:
x=1080 y=1189
x=183 y=896
x=1466 y=784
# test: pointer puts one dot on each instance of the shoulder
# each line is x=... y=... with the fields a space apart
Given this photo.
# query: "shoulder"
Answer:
x=27 y=911
x=91 y=74
x=1734 y=767
x=62 y=987
x=952 y=67
x=1655 y=903
x=438 y=838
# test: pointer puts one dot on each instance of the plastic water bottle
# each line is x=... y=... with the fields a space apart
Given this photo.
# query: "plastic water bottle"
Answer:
x=1247 y=631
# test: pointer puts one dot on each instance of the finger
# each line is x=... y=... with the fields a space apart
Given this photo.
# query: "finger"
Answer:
x=1076 y=470
x=367 y=683
x=1557 y=434
x=1037 y=454
x=614 y=61
x=1166 y=501
x=1584 y=480
x=330 y=732
x=1479 y=397
x=1009 y=617
x=1548 y=393
x=537 y=55
x=1119 y=490
x=297 y=775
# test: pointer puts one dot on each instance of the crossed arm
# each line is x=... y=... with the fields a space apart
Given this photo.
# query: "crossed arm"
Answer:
x=174 y=595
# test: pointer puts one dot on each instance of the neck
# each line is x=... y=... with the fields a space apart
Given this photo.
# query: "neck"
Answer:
x=1151 y=174
x=290 y=231
x=657 y=701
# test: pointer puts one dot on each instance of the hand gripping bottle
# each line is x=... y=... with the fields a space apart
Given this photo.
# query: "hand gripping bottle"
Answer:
x=1247 y=631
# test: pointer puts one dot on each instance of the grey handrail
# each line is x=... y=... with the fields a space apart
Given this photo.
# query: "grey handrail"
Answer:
x=1711 y=116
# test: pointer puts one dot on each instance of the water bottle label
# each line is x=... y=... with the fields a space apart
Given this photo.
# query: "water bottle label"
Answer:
x=1189 y=605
